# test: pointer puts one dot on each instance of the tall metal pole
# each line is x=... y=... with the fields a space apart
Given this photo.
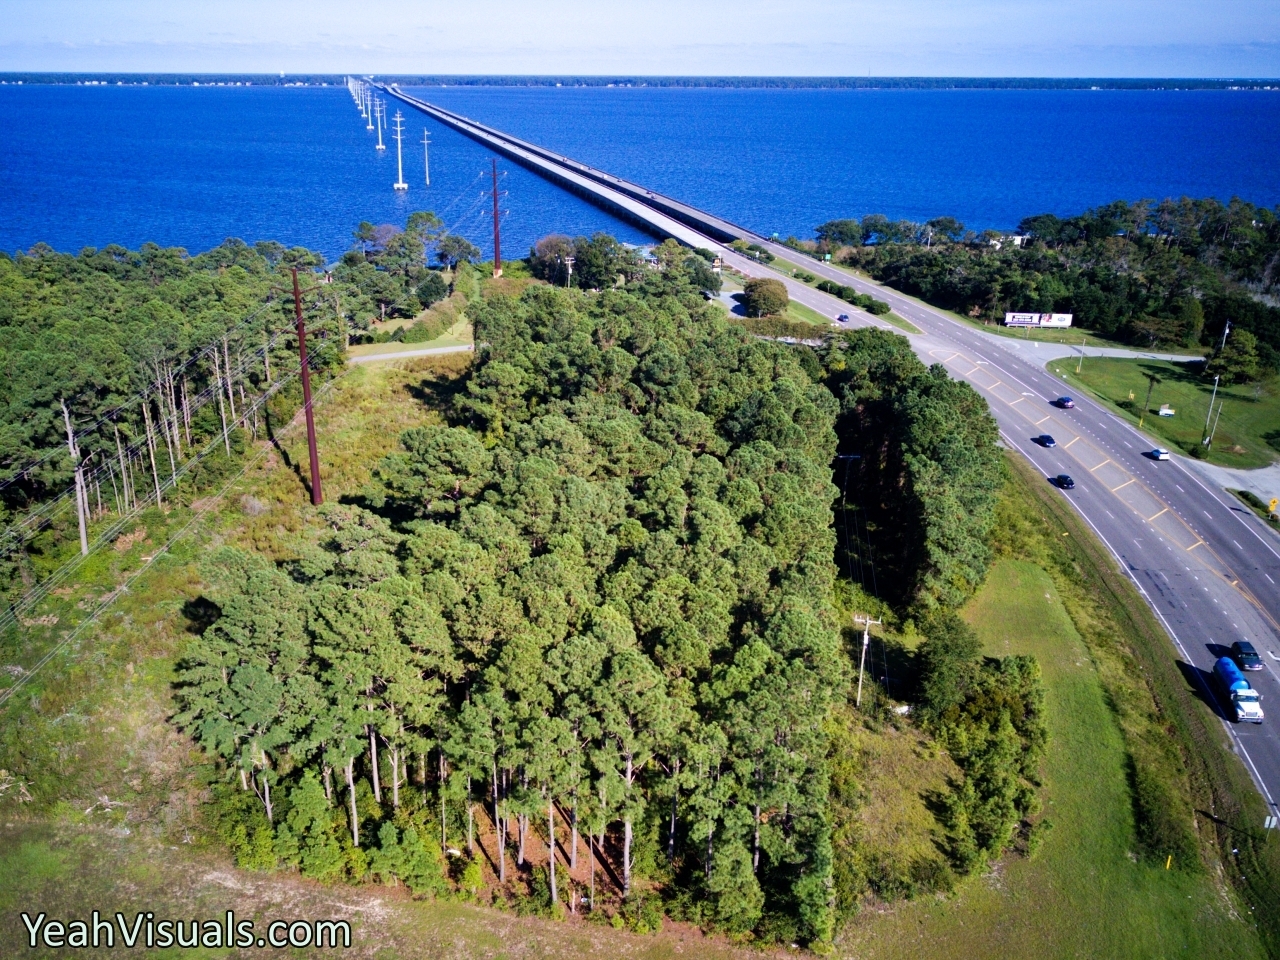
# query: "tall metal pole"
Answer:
x=1215 y=423
x=1211 y=399
x=399 y=184
x=866 y=622
x=497 y=237
x=426 y=154
x=317 y=497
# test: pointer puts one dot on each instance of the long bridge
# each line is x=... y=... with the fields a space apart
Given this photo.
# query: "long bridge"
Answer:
x=1209 y=570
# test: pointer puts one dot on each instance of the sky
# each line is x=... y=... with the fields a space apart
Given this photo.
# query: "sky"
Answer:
x=982 y=38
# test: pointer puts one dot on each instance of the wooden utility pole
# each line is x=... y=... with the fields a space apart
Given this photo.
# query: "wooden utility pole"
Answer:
x=317 y=497
x=867 y=623
x=497 y=235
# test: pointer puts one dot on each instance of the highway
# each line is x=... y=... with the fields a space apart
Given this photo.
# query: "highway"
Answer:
x=1209 y=568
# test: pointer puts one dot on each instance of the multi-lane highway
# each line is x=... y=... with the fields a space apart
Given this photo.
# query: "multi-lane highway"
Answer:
x=1209 y=568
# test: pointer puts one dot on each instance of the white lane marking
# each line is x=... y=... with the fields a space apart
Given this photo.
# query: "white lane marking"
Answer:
x=1257 y=777
x=1268 y=576
x=1180 y=488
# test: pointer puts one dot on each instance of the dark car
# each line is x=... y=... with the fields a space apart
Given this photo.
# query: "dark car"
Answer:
x=1245 y=656
x=1066 y=403
x=1046 y=441
x=1064 y=481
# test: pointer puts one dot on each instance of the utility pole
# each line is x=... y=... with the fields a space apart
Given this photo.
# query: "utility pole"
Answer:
x=867 y=623
x=399 y=184
x=426 y=154
x=379 y=109
x=497 y=235
x=368 y=101
x=1210 y=413
x=1083 y=341
x=568 y=265
x=1209 y=442
x=1225 y=330
x=317 y=497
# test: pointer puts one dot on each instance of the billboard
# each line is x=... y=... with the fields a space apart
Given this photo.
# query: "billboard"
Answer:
x=1037 y=319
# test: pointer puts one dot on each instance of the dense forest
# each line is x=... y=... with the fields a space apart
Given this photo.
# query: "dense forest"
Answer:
x=1169 y=273
x=126 y=372
x=594 y=617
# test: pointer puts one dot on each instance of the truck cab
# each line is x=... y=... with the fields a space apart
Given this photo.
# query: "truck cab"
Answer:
x=1246 y=703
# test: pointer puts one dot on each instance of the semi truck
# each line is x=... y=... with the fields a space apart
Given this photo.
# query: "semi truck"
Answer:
x=1245 y=701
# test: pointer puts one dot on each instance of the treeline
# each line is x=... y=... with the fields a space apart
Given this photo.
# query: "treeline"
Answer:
x=582 y=641
x=125 y=371
x=589 y=621
x=600 y=262
x=1168 y=273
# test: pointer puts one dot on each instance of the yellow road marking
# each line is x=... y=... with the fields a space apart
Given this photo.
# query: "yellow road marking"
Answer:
x=1073 y=440
x=971 y=371
x=1150 y=518
x=1125 y=484
x=1019 y=400
x=1101 y=465
x=1038 y=422
x=1194 y=545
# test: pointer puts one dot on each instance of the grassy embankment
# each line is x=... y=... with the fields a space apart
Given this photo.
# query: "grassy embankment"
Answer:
x=1248 y=432
x=785 y=266
x=94 y=723
x=1097 y=886
x=797 y=313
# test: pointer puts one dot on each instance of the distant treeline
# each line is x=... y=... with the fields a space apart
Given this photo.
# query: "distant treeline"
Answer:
x=1168 y=272
x=784 y=83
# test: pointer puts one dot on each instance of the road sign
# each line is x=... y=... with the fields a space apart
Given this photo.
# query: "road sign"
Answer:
x=1274 y=503
x=1272 y=823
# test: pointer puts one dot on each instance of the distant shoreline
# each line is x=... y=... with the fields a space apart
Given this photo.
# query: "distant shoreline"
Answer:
x=774 y=83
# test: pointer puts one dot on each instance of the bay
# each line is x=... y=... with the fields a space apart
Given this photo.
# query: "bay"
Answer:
x=188 y=166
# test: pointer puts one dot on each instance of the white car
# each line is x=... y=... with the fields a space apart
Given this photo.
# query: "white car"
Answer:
x=1159 y=453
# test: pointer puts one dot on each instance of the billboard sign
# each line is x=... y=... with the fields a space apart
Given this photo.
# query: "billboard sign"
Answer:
x=1037 y=319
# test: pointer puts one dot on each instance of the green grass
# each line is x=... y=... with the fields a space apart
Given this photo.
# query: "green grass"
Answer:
x=96 y=721
x=456 y=336
x=1251 y=500
x=789 y=268
x=1083 y=894
x=1250 y=413
x=803 y=314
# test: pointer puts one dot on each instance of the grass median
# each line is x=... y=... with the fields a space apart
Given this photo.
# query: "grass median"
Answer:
x=1248 y=429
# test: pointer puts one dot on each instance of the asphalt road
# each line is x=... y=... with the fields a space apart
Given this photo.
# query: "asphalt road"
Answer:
x=1209 y=569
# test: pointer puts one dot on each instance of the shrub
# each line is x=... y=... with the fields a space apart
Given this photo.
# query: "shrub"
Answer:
x=765 y=297
x=432 y=289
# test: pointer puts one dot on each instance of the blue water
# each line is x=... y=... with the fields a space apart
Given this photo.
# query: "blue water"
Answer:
x=87 y=166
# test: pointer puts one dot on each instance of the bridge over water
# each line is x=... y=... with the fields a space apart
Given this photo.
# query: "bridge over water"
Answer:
x=1209 y=571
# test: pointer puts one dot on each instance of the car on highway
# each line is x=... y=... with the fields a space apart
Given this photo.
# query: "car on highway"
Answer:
x=1064 y=482
x=843 y=318
x=1159 y=453
x=1046 y=441
x=1245 y=656
x=1066 y=403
